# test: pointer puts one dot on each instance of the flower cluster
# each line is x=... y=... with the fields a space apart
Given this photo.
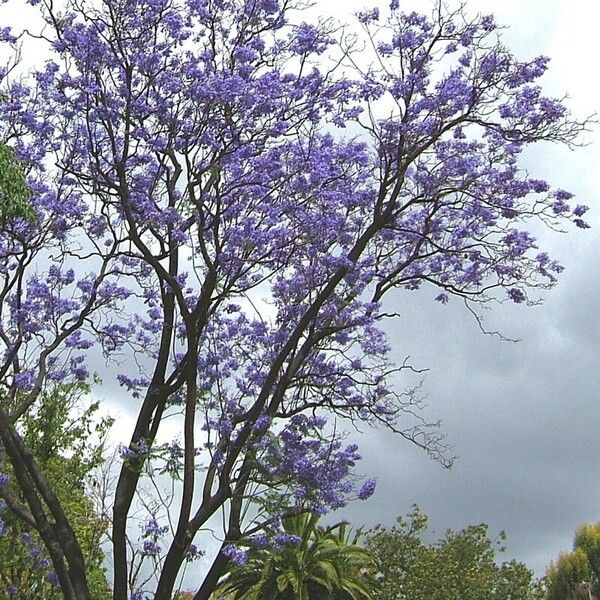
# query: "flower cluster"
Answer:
x=235 y=554
x=35 y=552
x=151 y=534
x=318 y=469
x=136 y=450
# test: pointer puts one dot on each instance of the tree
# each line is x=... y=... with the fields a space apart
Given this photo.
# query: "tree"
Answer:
x=58 y=436
x=14 y=194
x=461 y=566
x=203 y=220
x=306 y=562
x=576 y=575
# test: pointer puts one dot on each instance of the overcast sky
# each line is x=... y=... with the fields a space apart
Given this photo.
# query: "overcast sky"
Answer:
x=523 y=417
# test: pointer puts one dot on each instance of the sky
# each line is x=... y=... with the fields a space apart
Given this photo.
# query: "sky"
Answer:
x=523 y=418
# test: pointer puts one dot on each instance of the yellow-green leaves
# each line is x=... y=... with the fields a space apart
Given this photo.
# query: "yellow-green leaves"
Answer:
x=576 y=575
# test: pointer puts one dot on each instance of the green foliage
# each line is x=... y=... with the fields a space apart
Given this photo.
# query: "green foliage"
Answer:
x=587 y=538
x=564 y=578
x=14 y=193
x=461 y=566
x=326 y=564
x=67 y=443
x=576 y=575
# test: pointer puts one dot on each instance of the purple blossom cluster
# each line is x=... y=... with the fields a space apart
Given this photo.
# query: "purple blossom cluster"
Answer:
x=3 y=529
x=150 y=548
x=194 y=553
x=317 y=469
x=152 y=533
x=367 y=489
x=153 y=529
x=35 y=552
x=235 y=554
x=39 y=562
x=173 y=458
x=136 y=450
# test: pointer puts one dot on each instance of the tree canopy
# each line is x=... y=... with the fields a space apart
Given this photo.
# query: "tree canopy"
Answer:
x=460 y=566
x=575 y=575
x=66 y=439
x=14 y=193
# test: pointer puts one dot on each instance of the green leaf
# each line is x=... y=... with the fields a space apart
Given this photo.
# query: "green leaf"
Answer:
x=14 y=192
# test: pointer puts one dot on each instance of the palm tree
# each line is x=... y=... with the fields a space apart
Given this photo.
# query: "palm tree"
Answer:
x=323 y=564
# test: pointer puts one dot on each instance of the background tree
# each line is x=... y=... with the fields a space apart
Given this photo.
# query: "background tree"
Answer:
x=14 y=193
x=67 y=443
x=460 y=566
x=576 y=574
x=306 y=562
x=203 y=214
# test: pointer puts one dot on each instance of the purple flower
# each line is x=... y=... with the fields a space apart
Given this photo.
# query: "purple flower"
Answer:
x=140 y=448
x=369 y=16
x=367 y=489
x=152 y=528
x=260 y=540
x=194 y=553
x=282 y=539
x=42 y=563
x=581 y=224
x=150 y=548
x=262 y=423
x=173 y=458
x=516 y=295
x=6 y=35
x=238 y=556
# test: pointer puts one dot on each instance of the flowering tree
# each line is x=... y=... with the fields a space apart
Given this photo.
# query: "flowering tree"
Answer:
x=224 y=194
